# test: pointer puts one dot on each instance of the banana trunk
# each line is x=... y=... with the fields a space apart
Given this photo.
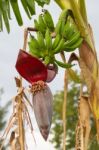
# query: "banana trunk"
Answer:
x=89 y=68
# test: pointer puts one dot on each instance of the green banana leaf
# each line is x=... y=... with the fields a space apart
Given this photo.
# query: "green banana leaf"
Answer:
x=42 y=2
x=24 y=4
x=15 y=7
x=28 y=6
x=1 y=26
x=4 y=15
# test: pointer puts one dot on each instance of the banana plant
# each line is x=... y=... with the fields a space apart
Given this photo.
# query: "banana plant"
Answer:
x=39 y=66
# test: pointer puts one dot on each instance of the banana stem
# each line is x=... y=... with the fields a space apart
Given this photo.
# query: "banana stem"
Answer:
x=20 y=117
x=64 y=102
x=60 y=3
x=21 y=128
x=64 y=108
x=83 y=10
x=20 y=103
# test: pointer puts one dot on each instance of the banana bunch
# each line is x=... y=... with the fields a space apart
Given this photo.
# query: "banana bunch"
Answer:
x=41 y=46
x=70 y=37
x=34 y=47
x=44 y=21
x=67 y=37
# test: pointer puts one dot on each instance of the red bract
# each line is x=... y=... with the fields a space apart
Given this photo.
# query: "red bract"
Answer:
x=30 y=68
x=42 y=104
x=52 y=70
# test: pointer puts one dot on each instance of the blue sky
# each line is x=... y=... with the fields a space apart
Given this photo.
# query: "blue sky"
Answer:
x=10 y=45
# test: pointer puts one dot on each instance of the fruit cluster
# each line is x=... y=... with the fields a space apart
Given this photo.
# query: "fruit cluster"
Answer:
x=51 y=40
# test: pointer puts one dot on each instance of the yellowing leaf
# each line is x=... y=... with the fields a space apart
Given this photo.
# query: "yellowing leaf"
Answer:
x=73 y=76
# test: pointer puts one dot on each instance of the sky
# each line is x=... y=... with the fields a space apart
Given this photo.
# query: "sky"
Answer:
x=9 y=48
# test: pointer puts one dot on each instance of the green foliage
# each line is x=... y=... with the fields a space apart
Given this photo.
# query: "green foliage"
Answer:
x=28 y=6
x=72 y=117
x=42 y=2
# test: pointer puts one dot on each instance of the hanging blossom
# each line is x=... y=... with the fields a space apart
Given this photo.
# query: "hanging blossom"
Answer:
x=38 y=74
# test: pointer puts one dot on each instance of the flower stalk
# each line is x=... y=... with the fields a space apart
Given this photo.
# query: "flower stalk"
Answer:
x=64 y=102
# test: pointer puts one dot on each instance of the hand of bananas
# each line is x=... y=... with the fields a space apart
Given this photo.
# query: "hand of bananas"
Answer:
x=67 y=37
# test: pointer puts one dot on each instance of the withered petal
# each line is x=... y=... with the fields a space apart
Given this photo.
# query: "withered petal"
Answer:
x=52 y=70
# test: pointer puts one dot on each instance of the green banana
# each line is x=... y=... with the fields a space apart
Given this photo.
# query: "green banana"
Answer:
x=47 y=60
x=58 y=27
x=63 y=65
x=61 y=22
x=41 y=41
x=56 y=41
x=69 y=28
x=74 y=46
x=42 y=23
x=36 y=24
x=59 y=48
x=48 y=20
x=68 y=31
x=63 y=18
x=63 y=15
x=48 y=40
x=62 y=27
x=74 y=38
x=39 y=27
x=34 y=48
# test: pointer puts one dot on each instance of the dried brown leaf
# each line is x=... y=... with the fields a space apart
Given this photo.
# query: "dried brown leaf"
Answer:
x=12 y=137
x=73 y=57
x=79 y=145
x=87 y=55
x=18 y=82
x=94 y=96
x=84 y=118
x=86 y=74
x=84 y=109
